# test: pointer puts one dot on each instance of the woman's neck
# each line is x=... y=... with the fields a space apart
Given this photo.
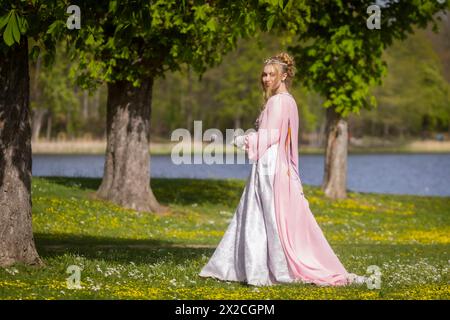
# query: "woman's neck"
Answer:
x=281 y=89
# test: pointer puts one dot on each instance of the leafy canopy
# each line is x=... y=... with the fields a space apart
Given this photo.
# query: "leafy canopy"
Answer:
x=341 y=58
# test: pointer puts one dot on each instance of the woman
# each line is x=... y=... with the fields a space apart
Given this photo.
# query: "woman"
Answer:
x=273 y=236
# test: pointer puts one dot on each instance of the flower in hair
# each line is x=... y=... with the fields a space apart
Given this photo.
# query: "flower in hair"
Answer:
x=275 y=61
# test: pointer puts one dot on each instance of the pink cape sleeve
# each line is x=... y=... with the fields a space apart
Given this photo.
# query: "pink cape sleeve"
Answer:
x=256 y=143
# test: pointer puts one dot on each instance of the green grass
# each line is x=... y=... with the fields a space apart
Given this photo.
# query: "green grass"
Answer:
x=128 y=255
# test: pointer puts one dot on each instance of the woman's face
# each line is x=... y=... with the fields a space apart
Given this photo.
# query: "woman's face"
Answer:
x=270 y=78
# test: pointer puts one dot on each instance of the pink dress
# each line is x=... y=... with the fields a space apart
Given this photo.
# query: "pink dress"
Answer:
x=273 y=236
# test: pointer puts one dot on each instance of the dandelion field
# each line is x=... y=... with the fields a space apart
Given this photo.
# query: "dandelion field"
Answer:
x=123 y=254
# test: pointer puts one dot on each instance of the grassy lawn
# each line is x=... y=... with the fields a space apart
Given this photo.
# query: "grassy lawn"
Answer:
x=128 y=255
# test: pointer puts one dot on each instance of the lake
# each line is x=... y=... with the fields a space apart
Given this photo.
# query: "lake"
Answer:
x=418 y=174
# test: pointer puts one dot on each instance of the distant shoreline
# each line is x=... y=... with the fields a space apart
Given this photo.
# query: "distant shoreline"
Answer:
x=165 y=148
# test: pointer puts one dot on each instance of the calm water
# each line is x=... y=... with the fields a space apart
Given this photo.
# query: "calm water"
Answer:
x=421 y=174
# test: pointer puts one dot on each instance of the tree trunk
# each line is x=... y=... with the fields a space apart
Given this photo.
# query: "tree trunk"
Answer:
x=188 y=98
x=385 y=130
x=126 y=177
x=16 y=233
x=321 y=134
x=335 y=176
x=96 y=105
x=36 y=123
x=237 y=122
x=35 y=96
x=85 y=104
x=49 y=127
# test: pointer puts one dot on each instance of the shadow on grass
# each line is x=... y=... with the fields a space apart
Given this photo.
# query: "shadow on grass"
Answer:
x=152 y=250
x=178 y=191
x=116 y=249
x=91 y=184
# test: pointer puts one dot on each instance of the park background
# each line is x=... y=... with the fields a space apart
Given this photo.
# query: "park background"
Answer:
x=127 y=254
x=413 y=103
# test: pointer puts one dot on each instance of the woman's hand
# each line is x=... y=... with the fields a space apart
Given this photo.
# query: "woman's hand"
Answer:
x=238 y=141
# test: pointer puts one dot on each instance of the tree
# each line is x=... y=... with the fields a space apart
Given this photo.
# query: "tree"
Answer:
x=53 y=95
x=128 y=44
x=410 y=95
x=18 y=22
x=341 y=58
x=229 y=95
x=239 y=97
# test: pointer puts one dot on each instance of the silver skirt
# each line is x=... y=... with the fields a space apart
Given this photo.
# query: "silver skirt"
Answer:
x=250 y=250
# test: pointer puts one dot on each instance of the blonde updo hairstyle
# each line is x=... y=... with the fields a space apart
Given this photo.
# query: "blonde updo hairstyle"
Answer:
x=287 y=66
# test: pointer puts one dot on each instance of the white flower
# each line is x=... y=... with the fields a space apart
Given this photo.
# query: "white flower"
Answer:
x=96 y=287
x=173 y=282
x=12 y=271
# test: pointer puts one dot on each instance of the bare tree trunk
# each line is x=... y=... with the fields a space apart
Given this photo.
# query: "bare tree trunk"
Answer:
x=385 y=130
x=96 y=105
x=335 y=176
x=237 y=122
x=49 y=127
x=35 y=96
x=126 y=178
x=85 y=104
x=36 y=123
x=321 y=133
x=188 y=102
x=16 y=233
x=69 y=132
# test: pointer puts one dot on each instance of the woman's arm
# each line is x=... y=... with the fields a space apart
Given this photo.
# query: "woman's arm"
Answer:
x=256 y=143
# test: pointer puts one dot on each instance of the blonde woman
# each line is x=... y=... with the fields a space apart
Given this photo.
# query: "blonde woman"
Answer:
x=273 y=236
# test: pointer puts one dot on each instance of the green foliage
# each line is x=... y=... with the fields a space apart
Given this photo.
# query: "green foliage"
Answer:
x=15 y=25
x=54 y=94
x=229 y=95
x=414 y=91
x=342 y=59
x=127 y=41
x=57 y=94
x=32 y=19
